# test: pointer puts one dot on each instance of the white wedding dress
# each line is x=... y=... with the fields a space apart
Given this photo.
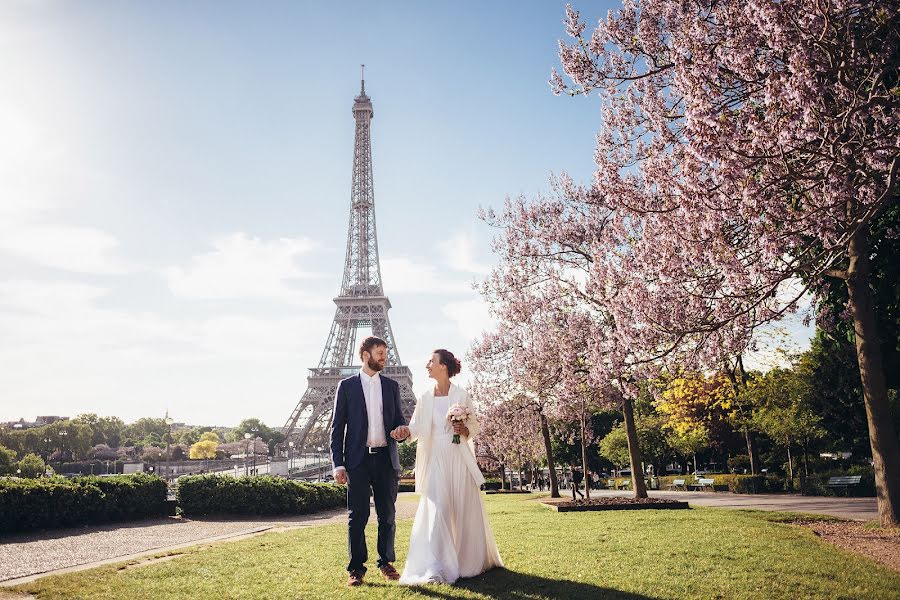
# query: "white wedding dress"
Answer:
x=451 y=535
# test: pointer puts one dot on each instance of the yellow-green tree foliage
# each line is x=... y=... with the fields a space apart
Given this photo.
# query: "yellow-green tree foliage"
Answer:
x=209 y=436
x=695 y=408
x=203 y=449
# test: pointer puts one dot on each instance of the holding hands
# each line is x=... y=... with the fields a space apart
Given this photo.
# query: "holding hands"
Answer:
x=400 y=433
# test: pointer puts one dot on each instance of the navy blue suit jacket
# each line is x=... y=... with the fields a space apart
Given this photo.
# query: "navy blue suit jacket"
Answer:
x=350 y=421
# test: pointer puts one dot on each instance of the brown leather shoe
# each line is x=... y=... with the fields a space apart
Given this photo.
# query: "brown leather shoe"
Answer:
x=355 y=578
x=389 y=572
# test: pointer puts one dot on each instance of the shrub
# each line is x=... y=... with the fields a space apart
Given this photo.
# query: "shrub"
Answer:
x=737 y=484
x=255 y=495
x=47 y=503
x=814 y=485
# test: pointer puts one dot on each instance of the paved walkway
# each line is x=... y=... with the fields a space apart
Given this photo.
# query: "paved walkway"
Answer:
x=862 y=509
x=24 y=557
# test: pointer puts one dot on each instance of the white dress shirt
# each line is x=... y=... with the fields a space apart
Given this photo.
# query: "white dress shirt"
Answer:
x=372 y=391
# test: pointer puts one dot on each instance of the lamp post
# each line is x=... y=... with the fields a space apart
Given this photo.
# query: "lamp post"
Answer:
x=290 y=457
x=62 y=446
x=319 y=459
x=168 y=421
x=246 y=451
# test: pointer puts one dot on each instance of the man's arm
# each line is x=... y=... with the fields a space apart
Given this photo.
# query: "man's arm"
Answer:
x=338 y=430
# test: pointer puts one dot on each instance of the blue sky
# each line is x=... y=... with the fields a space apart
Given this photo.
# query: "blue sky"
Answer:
x=174 y=188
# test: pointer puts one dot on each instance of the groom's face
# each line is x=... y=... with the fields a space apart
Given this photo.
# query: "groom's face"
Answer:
x=377 y=358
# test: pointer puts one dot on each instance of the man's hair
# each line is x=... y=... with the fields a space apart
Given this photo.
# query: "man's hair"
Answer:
x=369 y=343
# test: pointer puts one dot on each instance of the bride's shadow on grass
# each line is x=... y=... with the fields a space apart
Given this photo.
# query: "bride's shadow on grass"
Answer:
x=504 y=584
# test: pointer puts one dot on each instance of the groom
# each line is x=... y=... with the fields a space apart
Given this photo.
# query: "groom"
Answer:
x=364 y=453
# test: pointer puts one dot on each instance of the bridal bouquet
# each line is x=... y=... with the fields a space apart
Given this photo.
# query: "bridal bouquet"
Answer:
x=458 y=414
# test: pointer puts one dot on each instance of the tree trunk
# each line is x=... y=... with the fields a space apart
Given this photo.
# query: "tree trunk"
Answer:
x=503 y=476
x=738 y=387
x=882 y=437
x=790 y=467
x=751 y=451
x=637 y=473
x=584 y=463
x=548 y=448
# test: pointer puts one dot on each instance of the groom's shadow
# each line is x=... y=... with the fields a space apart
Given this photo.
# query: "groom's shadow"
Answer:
x=503 y=584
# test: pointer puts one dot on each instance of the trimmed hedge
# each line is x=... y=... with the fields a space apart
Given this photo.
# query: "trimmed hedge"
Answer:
x=27 y=504
x=737 y=484
x=255 y=495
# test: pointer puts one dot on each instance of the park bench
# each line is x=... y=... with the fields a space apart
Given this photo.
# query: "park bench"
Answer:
x=678 y=483
x=626 y=483
x=702 y=484
x=843 y=482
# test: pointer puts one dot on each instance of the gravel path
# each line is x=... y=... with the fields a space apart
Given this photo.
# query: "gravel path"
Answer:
x=24 y=555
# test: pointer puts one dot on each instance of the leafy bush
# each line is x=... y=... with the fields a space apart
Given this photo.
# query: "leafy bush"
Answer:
x=737 y=484
x=46 y=503
x=814 y=485
x=255 y=495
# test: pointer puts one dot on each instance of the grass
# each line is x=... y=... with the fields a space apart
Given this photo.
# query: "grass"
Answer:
x=699 y=553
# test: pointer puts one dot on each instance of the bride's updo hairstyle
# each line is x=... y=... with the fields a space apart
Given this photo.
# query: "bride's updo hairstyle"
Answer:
x=448 y=360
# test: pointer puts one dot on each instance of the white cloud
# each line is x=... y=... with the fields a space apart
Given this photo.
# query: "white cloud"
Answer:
x=244 y=267
x=404 y=275
x=471 y=317
x=75 y=249
x=64 y=353
x=459 y=254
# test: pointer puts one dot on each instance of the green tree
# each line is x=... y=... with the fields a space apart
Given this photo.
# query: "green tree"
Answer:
x=31 y=466
x=407 y=455
x=784 y=413
x=614 y=446
x=7 y=461
x=256 y=428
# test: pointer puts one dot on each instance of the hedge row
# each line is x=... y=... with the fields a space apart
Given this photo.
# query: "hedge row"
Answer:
x=255 y=495
x=27 y=504
x=737 y=484
x=814 y=485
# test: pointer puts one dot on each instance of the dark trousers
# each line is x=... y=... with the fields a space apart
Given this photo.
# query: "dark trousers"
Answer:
x=575 y=489
x=378 y=475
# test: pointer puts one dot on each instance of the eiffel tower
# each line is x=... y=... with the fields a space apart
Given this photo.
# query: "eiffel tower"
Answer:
x=361 y=303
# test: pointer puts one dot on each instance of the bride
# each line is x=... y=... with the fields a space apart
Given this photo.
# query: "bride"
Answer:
x=451 y=536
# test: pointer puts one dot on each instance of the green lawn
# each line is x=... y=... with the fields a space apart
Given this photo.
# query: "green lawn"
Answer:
x=700 y=553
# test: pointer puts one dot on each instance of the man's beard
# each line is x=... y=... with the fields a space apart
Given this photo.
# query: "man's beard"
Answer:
x=374 y=365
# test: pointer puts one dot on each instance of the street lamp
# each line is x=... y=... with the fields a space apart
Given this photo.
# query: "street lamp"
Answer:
x=319 y=459
x=62 y=446
x=168 y=421
x=246 y=451
x=290 y=457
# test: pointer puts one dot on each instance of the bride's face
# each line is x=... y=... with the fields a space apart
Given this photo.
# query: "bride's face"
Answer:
x=435 y=368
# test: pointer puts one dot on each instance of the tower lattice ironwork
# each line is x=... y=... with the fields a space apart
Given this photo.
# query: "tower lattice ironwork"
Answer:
x=361 y=303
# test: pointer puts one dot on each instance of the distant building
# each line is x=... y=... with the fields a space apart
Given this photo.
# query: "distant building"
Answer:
x=47 y=419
